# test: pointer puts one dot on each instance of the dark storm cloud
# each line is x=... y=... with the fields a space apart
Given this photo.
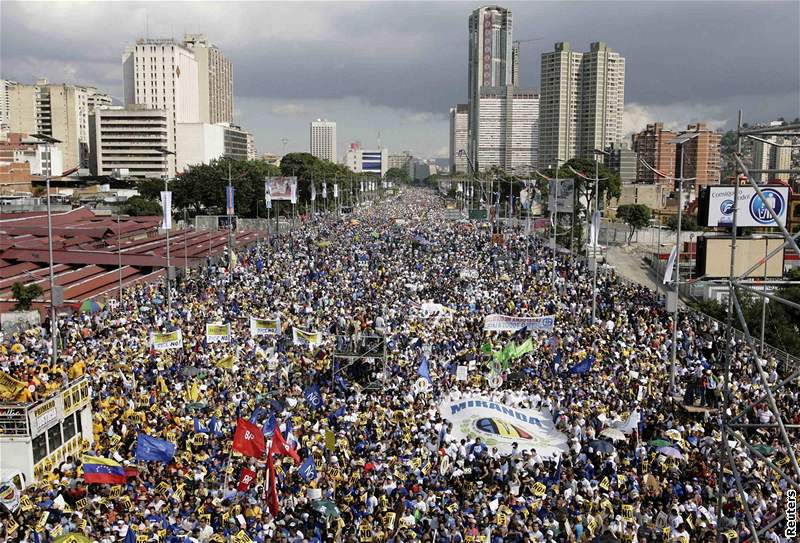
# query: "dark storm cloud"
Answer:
x=688 y=56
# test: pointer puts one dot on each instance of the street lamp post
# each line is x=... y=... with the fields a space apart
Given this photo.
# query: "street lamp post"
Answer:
x=167 y=278
x=680 y=140
x=596 y=240
x=48 y=141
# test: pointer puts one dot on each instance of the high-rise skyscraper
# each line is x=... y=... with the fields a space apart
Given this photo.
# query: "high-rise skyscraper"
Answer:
x=582 y=100
x=459 y=135
x=490 y=61
x=323 y=139
x=214 y=78
x=162 y=74
x=56 y=110
x=5 y=104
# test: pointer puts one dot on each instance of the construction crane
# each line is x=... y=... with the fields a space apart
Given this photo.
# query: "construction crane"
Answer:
x=517 y=42
x=515 y=57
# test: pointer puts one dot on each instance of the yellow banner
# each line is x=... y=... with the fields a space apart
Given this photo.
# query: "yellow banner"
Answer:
x=170 y=340
x=217 y=332
x=10 y=388
x=262 y=327
x=226 y=363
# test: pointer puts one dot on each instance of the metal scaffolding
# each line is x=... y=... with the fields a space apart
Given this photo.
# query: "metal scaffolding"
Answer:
x=740 y=428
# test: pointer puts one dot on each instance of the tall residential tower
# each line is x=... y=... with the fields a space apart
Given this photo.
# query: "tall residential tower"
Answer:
x=582 y=100
x=214 y=78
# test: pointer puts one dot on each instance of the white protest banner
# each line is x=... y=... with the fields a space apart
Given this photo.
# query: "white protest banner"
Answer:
x=303 y=337
x=507 y=323
x=500 y=425
x=429 y=310
x=468 y=274
x=166 y=207
x=216 y=332
x=170 y=340
x=461 y=373
x=263 y=327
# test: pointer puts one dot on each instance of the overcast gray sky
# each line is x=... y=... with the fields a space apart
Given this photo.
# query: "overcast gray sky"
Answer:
x=396 y=67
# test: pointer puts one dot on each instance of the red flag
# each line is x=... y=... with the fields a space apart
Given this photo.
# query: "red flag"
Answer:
x=272 y=492
x=248 y=439
x=245 y=478
x=279 y=446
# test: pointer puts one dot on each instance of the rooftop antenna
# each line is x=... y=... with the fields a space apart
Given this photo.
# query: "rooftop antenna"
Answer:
x=146 y=25
x=379 y=139
x=284 y=141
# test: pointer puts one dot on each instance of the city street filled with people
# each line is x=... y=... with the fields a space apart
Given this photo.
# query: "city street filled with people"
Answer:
x=379 y=323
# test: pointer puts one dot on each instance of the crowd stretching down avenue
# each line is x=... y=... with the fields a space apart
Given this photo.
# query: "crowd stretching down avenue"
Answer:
x=576 y=436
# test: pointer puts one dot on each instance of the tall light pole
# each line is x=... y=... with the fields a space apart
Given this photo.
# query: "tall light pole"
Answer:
x=167 y=278
x=681 y=141
x=553 y=216
x=48 y=141
x=597 y=236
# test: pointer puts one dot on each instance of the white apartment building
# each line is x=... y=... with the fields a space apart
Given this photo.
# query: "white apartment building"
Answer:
x=214 y=78
x=5 y=105
x=582 y=101
x=366 y=161
x=252 y=152
x=163 y=75
x=323 y=139
x=43 y=159
x=128 y=141
x=59 y=111
x=96 y=99
x=509 y=135
x=490 y=62
x=771 y=157
x=459 y=138
x=200 y=143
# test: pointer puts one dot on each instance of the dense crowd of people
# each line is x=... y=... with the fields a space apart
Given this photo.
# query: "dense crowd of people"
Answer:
x=640 y=461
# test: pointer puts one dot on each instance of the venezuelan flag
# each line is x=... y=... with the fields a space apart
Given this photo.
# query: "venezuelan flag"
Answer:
x=97 y=469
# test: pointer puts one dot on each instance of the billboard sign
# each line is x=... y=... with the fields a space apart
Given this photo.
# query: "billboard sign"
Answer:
x=717 y=206
x=565 y=195
x=282 y=188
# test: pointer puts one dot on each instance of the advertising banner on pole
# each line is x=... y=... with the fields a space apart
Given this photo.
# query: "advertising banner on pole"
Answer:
x=566 y=195
x=169 y=340
x=506 y=323
x=282 y=188
x=166 y=207
x=264 y=327
x=217 y=332
x=499 y=425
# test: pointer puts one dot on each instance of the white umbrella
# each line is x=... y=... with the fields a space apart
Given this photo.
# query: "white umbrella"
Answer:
x=613 y=434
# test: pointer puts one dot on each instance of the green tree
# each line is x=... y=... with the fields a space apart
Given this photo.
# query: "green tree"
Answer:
x=150 y=188
x=25 y=295
x=688 y=223
x=398 y=174
x=635 y=216
x=138 y=206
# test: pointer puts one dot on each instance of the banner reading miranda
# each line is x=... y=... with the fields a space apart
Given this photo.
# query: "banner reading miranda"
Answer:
x=303 y=337
x=217 y=332
x=499 y=425
x=264 y=327
x=506 y=323
x=170 y=340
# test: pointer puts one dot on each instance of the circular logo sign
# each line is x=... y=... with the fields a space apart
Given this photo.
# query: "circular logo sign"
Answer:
x=726 y=207
x=758 y=209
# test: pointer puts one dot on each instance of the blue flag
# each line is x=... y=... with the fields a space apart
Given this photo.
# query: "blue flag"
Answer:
x=256 y=414
x=214 y=426
x=313 y=396
x=269 y=426
x=259 y=265
x=582 y=367
x=154 y=449
x=423 y=369
x=130 y=535
x=308 y=471
x=199 y=428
